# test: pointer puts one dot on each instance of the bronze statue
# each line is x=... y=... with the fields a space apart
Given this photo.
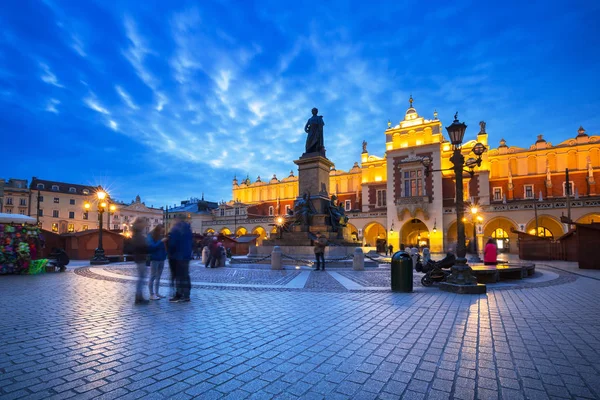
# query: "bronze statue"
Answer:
x=337 y=214
x=482 y=127
x=365 y=146
x=314 y=128
x=303 y=210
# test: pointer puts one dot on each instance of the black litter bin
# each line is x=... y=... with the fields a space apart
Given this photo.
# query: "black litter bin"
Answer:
x=402 y=272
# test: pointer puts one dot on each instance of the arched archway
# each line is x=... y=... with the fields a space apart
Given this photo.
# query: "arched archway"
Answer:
x=414 y=232
x=375 y=235
x=501 y=229
x=589 y=218
x=209 y=231
x=452 y=235
x=352 y=232
x=241 y=231
x=548 y=226
x=262 y=234
x=225 y=231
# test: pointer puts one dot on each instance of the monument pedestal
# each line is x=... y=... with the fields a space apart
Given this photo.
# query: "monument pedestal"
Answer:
x=313 y=177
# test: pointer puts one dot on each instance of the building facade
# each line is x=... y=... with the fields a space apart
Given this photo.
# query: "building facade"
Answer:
x=122 y=219
x=394 y=199
x=14 y=196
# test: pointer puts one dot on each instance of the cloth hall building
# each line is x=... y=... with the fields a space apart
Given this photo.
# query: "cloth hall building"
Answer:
x=390 y=199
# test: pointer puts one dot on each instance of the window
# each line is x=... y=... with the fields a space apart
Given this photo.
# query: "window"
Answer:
x=413 y=183
x=9 y=201
x=348 y=205
x=40 y=212
x=55 y=188
x=271 y=211
x=287 y=208
x=71 y=228
x=497 y=194
x=55 y=213
x=84 y=228
x=8 y=210
x=23 y=202
x=41 y=199
x=54 y=227
x=570 y=188
x=222 y=212
x=85 y=191
x=72 y=202
x=72 y=190
x=528 y=190
x=56 y=200
x=22 y=212
x=71 y=214
x=116 y=227
x=381 y=200
x=85 y=215
x=156 y=220
x=40 y=186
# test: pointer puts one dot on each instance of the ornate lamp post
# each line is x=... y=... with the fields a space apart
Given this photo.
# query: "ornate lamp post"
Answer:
x=99 y=258
x=461 y=280
x=111 y=211
x=475 y=218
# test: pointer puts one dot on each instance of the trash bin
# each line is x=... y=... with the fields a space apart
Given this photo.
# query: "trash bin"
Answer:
x=402 y=272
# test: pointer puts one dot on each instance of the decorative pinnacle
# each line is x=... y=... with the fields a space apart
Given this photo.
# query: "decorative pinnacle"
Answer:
x=410 y=100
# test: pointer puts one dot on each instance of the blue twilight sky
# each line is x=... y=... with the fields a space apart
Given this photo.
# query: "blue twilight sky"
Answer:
x=171 y=99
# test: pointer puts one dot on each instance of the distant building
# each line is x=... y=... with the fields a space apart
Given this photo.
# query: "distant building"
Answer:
x=128 y=212
x=196 y=211
x=14 y=196
x=59 y=206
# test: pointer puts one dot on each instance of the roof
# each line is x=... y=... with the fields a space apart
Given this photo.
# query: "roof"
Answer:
x=63 y=187
x=89 y=232
x=16 y=219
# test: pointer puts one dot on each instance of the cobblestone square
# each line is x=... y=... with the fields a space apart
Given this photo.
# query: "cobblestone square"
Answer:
x=254 y=333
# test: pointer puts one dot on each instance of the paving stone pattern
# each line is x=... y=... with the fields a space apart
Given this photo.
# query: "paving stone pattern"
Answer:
x=69 y=336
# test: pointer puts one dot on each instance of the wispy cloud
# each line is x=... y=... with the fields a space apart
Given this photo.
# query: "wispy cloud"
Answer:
x=48 y=76
x=93 y=103
x=51 y=106
x=113 y=125
x=126 y=98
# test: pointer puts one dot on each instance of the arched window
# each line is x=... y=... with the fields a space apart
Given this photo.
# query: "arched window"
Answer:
x=499 y=233
x=72 y=190
x=40 y=186
x=55 y=188
x=271 y=211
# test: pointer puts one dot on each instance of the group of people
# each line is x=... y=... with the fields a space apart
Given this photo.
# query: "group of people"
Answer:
x=216 y=254
x=176 y=246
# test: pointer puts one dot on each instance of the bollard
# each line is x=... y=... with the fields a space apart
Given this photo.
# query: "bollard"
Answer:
x=205 y=255
x=358 y=262
x=402 y=272
x=252 y=251
x=276 y=258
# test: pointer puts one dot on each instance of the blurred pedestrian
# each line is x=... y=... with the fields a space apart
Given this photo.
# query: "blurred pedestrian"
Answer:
x=320 y=244
x=391 y=249
x=426 y=255
x=140 y=253
x=180 y=248
x=414 y=254
x=158 y=254
x=212 y=252
x=490 y=253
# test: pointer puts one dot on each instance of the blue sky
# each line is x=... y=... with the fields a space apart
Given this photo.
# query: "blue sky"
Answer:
x=170 y=100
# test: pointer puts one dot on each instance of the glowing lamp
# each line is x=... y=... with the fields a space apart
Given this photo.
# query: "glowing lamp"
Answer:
x=87 y=205
x=456 y=131
x=101 y=195
x=103 y=204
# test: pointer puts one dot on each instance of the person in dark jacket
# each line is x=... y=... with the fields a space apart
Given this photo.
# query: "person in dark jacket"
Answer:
x=158 y=254
x=180 y=250
x=212 y=253
x=140 y=251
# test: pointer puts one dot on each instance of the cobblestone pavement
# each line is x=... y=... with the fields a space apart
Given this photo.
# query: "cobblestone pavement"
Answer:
x=79 y=336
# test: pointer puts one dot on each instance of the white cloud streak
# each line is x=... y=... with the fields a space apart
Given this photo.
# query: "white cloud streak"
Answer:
x=48 y=76
x=126 y=98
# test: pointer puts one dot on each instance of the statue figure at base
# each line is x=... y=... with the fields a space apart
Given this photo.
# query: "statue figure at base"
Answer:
x=337 y=215
x=314 y=128
x=302 y=211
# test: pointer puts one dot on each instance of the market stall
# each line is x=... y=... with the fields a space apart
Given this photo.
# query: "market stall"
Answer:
x=19 y=245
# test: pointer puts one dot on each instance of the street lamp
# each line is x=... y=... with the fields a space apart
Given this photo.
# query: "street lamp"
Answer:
x=111 y=211
x=475 y=219
x=99 y=258
x=279 y=221
x=461 y=280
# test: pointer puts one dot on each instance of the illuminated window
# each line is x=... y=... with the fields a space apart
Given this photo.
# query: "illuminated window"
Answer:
x=528 y=189
x=85 y=191
x=71 y=228
x=497 y=194
x=56 y=200
x=542 y=232
x=381 y=198
x=84 y=228
x=54 y=227
x=55 y=213
x=413 y=183
x=348 y=205
x=271 y=211
x=499 y=233
x=85 y=215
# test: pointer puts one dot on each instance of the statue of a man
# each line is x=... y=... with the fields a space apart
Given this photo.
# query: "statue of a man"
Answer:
x=364 y=146
x=314 y=128
x=482 y=127
x=302 y=210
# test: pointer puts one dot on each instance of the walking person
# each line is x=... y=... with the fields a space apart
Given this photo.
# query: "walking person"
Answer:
x=180 y=248
x=391 y=249
x=212 y=251
x=158 y=254
x=320 y=245
x=140 y=252
x=490 y=253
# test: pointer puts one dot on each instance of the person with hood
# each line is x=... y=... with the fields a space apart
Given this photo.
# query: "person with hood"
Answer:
x=180 y=249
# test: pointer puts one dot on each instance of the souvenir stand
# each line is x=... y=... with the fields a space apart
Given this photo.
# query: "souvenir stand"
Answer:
x=19 y=245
